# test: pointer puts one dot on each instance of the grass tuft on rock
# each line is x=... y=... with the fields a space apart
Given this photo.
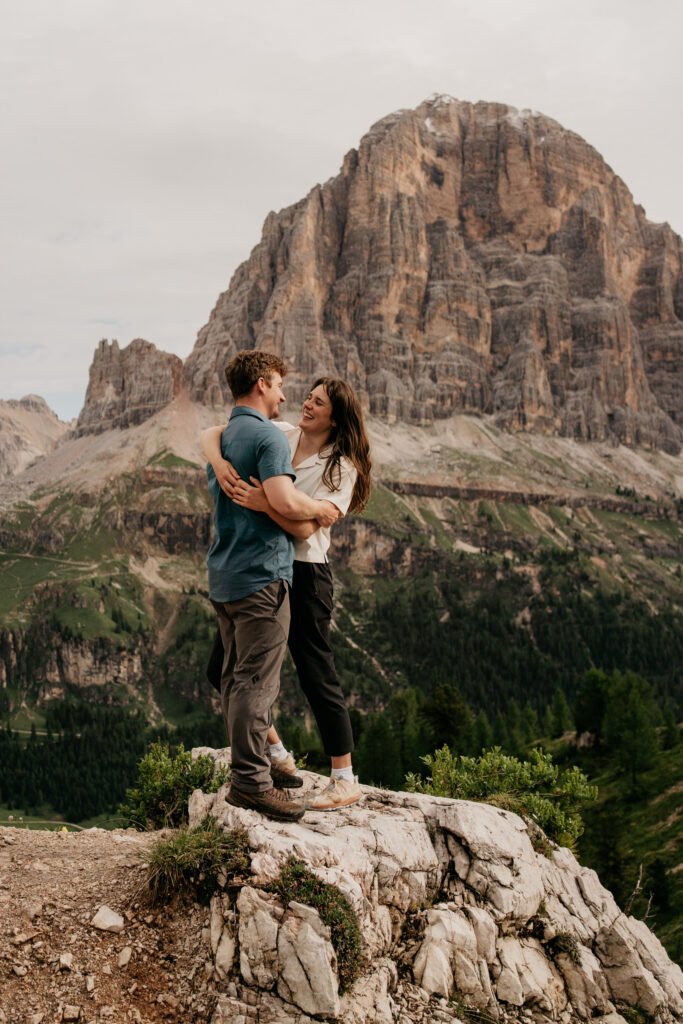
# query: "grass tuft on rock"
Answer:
x=564 y=942
x=296 y=882
x=197 y=861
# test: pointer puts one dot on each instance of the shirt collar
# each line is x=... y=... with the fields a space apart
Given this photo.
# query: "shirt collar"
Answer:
x=246 y=410
x=322 y=456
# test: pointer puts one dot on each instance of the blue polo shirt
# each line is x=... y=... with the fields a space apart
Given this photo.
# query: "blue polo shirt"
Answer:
x=248 y=550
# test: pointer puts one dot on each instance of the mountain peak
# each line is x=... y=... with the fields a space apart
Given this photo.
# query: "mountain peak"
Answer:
x=468 y=258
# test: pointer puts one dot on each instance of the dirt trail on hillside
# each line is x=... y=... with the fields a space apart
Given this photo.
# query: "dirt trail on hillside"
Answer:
x=55 y=965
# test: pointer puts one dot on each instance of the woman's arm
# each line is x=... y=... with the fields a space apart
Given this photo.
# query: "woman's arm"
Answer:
x=252 y=496
x=226 y=475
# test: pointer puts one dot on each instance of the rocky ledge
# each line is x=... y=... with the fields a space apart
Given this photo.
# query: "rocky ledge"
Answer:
x=459 y=915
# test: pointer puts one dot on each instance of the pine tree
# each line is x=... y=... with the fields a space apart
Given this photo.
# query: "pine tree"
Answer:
x=500 y=732
x=513 y=715
x=658 y=882
x=630 y=730
x=606 y=849
x=672 y=733
x=377 y=758
x=483 y=734
x=530 y=726
x=591 y=703
x=560 y=716
x=450 y=719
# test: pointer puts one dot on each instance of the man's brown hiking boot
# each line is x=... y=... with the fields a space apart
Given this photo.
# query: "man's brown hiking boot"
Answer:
x=274 y=803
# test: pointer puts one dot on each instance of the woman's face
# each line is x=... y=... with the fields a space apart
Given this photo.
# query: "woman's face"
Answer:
x=316 y=414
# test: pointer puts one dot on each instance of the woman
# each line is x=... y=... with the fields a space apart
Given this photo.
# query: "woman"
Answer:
x=331 y=458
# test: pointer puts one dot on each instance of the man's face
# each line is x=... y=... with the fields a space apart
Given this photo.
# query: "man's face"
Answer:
x=273 y=394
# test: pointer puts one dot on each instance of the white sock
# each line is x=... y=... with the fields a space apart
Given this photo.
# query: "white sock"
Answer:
x=277 y=750
x=344 y=773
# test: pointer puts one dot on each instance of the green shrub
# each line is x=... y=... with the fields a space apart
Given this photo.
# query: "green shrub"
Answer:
x=297 y=882
x=564 y=942
x=164 y=787
x=194 y=860
x=534 y=789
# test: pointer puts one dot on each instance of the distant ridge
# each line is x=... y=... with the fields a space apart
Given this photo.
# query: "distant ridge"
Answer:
x=28 y=428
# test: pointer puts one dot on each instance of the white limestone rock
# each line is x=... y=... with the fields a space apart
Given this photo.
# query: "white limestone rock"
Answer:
x=221 y=756
x=655 y=959
x=216 y=923
x=407 y=866
x=609 y=1018
x=225 y=954
x=600 y=902
x=370 y=998
x=449 y=955
x=484 y=931
x=259 y=921
x=503 y=862
x=308 y=964
x=107 y=920
x=199 y=805
x=586 y=985
x=124 y=956
x=528 y=977
x=628 y=978
x=390 y=856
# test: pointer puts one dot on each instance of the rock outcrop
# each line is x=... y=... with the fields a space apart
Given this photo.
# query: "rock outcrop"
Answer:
x=128 y=385
x=51 y=664
x=475 y=258
x=453 y=903
x=28 y=429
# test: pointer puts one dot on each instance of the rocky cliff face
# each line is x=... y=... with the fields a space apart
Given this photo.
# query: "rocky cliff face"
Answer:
x=468 y=257
x=52 y=665
x=128 y=385
x=28 y=429
x=455 y=906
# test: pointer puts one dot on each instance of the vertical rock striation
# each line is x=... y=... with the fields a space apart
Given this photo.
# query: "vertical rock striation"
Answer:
x=468 y=257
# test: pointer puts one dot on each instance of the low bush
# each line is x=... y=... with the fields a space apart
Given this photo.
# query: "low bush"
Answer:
x=197 y=861
x=165 y=785
x=297 y=882
x=535 y=789
x=566 y=943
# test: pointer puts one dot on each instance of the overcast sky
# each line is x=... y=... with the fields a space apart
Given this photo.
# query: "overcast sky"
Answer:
x=144 y=141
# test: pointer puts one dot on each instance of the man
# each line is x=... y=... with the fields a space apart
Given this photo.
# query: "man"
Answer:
x=250 y=572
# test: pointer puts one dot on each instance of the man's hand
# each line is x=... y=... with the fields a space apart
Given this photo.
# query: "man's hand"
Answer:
x=328 y=513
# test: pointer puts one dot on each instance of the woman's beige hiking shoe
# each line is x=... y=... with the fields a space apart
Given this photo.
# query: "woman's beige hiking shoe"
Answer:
x=339 y=793
x=284 y=772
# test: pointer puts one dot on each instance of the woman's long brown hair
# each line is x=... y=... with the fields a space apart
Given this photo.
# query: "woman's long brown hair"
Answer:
x=348 y=439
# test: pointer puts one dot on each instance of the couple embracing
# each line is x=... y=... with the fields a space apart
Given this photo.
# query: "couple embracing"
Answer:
x=277 y=489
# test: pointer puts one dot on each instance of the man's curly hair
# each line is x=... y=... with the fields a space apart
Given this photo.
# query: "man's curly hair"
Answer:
x=246 y=368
